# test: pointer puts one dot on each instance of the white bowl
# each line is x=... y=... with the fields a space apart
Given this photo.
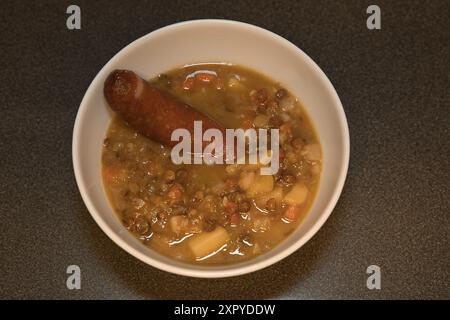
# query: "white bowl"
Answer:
x=214 y=41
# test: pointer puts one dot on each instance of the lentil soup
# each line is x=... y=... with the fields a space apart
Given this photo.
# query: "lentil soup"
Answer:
x=215 y=214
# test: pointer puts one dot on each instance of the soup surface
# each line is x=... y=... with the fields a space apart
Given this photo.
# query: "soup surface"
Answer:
x=215 y=214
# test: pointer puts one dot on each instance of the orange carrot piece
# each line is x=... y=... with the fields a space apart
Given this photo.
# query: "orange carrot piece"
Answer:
x=235 y=218
x=292 y=213
x=112 y=174
x=205 y=77
x=231 y=208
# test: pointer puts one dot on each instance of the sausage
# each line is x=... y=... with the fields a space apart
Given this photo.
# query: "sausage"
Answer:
x=150 y=111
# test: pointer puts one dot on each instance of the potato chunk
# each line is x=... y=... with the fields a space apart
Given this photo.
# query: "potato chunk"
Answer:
x=246 y=180
x=179 y=224
x=277 y=194
x=206 y=243
x=291 y=214
x=260 y=186
x=261 y=224
x=297 y=195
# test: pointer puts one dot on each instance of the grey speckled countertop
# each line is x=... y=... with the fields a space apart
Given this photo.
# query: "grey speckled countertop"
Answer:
x=394 y=210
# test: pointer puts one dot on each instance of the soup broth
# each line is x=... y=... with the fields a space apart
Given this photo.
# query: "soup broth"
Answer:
x=215 y=214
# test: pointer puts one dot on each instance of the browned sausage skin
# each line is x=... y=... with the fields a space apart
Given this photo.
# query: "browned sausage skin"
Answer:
x=150 y=111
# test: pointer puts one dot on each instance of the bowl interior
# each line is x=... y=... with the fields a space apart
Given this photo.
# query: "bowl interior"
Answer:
x=214 y=41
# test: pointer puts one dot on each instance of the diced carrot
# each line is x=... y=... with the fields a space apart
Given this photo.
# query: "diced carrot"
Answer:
x=231 y=207
x=113 y=174
x=292 y=213
x=205 y=77
x=235 y=218
x=188 y=83
x=108 y=174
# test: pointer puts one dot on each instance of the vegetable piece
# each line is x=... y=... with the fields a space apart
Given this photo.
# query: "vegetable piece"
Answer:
x=297 y=195
x=234 y=82
x=244 y=206
x=261 y=224
x=178 y=224
x=235 y=218
x=205 y=77
x=285 y=117
x=246 y=180
x=261 y=121
x=231 y=207
x=271 y=205
x=206 y=243
x=277 y=194
x=261 y=185
x=291 y=214
x=114 y=174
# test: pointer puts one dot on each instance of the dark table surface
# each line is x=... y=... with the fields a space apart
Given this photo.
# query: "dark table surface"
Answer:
x=393 y=212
